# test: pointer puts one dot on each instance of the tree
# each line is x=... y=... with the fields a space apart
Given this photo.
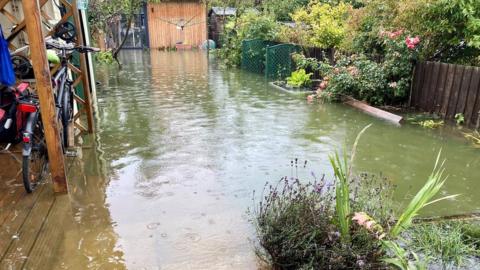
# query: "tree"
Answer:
x=103 y=13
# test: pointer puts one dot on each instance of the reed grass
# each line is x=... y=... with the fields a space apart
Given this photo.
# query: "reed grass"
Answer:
x=342 y=169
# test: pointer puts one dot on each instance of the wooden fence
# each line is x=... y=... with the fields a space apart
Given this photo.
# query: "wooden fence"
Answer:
x=446 y=90
x=175 y=22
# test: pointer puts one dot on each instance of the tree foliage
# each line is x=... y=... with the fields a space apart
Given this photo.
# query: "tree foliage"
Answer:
x=324 y=23
x=282 y=9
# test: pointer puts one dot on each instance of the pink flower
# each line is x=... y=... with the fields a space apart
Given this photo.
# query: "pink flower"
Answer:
x=361 y=218
x=391 y=35
x=412 y=42
x=323 y=85
x=369 y=224
x=310 y=98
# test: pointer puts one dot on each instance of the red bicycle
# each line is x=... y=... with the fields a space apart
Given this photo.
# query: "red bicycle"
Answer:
x=20 y=121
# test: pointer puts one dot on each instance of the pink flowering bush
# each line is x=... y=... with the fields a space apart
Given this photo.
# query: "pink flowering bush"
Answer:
x=382 y=79
x=400 y=56
x=412 y=42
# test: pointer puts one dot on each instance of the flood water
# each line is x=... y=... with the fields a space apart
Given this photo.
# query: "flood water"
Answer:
x=182 y=143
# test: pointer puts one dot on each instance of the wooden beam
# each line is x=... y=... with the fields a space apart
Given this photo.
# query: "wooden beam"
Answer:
x=45 y=94
x=83 y=68
x=373 y=111
x=3 y=3
x=21 y=26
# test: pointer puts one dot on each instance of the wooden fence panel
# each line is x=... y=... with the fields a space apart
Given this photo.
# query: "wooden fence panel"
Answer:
x=446 y=90
x=439 y=94
x=462 y=96
x=457 y=83
x=178 y=21
x=473 y=94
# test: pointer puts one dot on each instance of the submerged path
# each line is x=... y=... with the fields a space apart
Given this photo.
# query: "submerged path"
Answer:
x=182 y=144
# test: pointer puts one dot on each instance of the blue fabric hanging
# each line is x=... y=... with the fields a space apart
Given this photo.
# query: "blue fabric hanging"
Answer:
x=7 y=75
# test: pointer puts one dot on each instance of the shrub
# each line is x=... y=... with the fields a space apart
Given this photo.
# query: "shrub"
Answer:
x=299 y=78
x=296 y=229
x=360 y=78
x=325 y=24
x=450 y=28
x=250 y=25
x=104 y=57
x=282 y=9
x=384 y=81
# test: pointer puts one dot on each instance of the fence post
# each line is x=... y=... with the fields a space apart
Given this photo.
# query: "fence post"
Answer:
x=45 y=94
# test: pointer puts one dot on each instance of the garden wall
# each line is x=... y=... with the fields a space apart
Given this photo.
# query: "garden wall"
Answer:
x=447 y=89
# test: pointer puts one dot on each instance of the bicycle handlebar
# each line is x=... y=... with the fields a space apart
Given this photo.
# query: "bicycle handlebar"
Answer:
x=70 y=47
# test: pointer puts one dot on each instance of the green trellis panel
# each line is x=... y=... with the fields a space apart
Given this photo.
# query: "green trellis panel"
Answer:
x=253 y=54
x=279 y=64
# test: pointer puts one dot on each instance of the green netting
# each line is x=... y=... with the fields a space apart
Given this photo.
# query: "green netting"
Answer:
x=279 y=64
x=253 y=54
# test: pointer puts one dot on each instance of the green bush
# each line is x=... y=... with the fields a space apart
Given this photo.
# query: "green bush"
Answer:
x=299 y=78
x=282 y=9
x=249 y=25
x=449 y=29
x=360 y=78
x=325 y=24
x=104 y=57
x=386 y=80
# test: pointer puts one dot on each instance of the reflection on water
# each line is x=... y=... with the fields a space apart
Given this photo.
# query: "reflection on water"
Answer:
x=183 y=144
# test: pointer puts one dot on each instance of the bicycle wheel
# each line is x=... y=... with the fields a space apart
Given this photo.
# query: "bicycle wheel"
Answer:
x=34 y=166
x=67 y=114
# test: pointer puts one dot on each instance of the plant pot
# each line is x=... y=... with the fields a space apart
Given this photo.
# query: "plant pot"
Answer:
x=281 y=85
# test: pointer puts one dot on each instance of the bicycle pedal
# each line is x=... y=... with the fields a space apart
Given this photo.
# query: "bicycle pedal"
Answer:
x=71 y=153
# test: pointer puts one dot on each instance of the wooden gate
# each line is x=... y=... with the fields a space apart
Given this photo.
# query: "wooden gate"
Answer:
x=446 y=90
x=175 y=22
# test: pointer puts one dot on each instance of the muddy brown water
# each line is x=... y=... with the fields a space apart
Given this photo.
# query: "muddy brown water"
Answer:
x=182 y=143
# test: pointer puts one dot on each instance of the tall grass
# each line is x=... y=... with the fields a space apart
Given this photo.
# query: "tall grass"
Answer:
x=446 y=241
x=435 y=182
x=342 y=169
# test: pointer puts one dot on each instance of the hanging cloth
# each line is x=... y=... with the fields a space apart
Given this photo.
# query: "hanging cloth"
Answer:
x=7 y=75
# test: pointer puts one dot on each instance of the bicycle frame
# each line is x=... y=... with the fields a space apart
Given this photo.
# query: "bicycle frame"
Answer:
x=61 y=78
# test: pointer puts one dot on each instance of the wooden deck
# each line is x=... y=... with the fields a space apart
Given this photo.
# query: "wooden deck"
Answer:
x=31 y=224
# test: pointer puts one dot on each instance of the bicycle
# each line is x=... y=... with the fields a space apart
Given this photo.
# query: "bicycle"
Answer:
x=64 y=94
x=20 y=121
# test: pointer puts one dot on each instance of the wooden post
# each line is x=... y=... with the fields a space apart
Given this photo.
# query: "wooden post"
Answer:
x=83 y=68
x=45 y=94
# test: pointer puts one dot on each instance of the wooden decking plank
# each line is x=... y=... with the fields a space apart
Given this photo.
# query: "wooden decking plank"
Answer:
x=50 y=237
x=17 y=217
x=11 y=189
x=20 y=246
x=10 y=198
